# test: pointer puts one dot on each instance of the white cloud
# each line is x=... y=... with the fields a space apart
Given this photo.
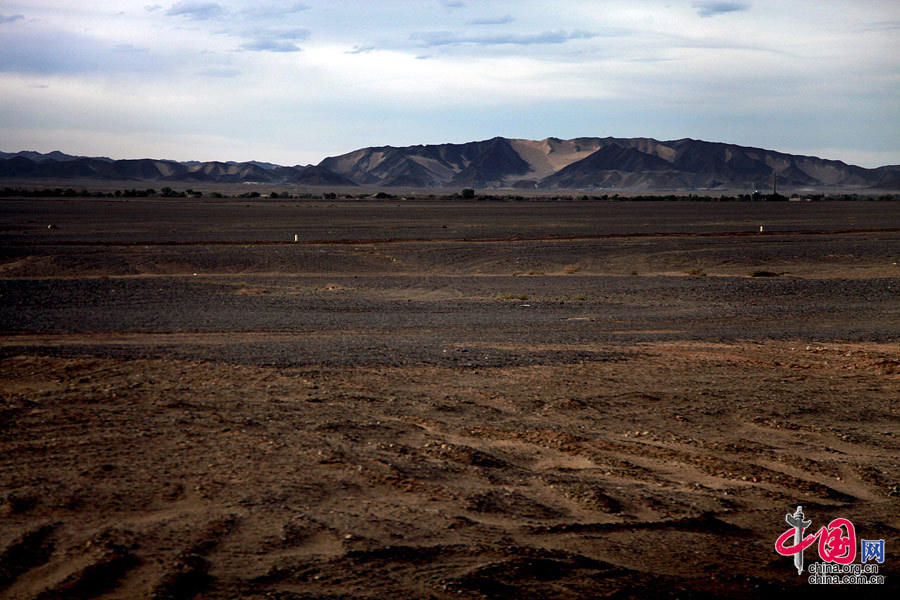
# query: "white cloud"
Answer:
x=273 y=39
x=61 y=52
x=269 y=46
x=219 y=72
x=507 y=18
x=361 y=49
x=446 y=38
x=272 y=10
x=196 y=10
x=709 y=9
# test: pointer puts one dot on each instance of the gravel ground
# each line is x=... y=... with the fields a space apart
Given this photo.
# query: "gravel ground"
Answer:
x=608 y=405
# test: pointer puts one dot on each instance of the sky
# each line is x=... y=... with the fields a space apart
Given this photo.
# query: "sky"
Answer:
x=293 y=82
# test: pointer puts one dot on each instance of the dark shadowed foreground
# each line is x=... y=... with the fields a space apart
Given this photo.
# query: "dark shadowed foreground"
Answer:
x=532 y=400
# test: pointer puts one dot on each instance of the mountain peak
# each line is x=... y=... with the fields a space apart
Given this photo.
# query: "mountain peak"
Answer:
x=588 y=163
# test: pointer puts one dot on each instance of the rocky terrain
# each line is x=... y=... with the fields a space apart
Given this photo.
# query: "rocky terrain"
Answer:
x=428 y=400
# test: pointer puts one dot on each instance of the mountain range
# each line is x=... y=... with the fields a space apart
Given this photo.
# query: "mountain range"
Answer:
x=588 y=163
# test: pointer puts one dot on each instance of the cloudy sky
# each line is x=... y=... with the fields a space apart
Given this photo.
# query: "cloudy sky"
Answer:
x=292 y=82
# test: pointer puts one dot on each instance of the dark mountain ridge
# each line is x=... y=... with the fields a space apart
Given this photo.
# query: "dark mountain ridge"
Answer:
x=587 y=163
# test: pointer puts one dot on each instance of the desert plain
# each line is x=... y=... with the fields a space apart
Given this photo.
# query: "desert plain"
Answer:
x=465 y=399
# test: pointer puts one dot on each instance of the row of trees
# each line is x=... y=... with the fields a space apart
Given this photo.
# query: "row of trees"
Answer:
x=468 y=194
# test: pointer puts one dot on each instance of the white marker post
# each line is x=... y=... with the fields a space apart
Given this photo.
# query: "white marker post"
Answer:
x=296 y=238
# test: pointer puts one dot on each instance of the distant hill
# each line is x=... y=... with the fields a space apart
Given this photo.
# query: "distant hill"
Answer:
x=589 y=163
x=56 y=155
x=602 y=164
x=21 y=165
x=312 y=175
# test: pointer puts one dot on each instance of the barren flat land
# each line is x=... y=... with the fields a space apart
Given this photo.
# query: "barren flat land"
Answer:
x=442 y=400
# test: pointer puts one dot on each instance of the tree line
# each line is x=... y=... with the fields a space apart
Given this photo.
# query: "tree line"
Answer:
x=466 y=194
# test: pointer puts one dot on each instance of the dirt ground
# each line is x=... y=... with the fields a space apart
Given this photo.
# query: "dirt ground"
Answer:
x=516 y=400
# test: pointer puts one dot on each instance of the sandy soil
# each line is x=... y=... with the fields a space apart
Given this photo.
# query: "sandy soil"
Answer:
x=576 y=413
